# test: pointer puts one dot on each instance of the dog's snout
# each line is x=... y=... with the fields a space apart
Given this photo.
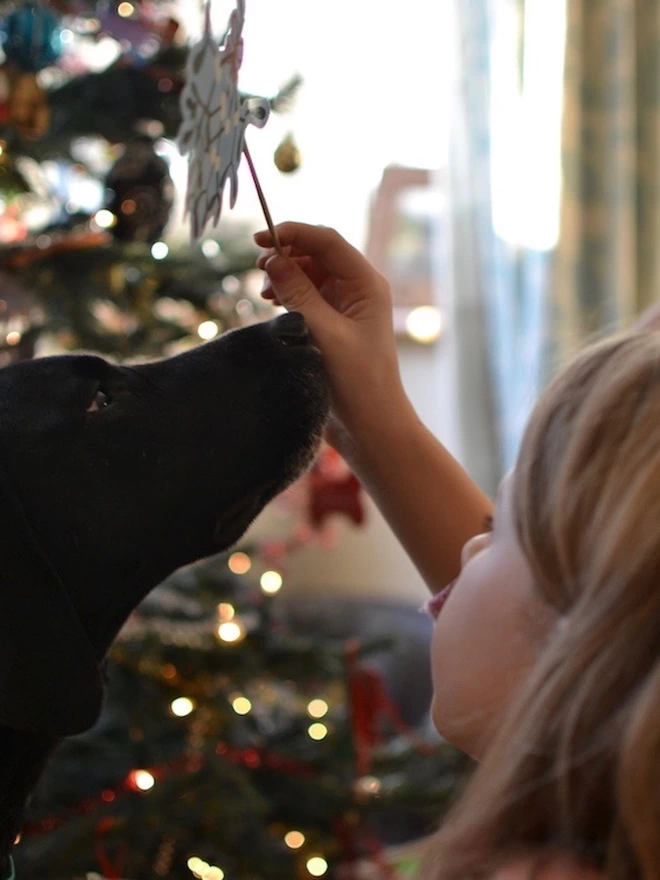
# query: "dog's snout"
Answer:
x=290 y=329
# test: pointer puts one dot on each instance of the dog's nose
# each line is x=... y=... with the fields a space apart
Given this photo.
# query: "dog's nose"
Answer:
x=291 y=329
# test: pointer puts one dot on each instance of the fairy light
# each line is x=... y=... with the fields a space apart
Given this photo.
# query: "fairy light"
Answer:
x=317 y=708
x=241 y=705
x=202 y=869
x=13 y=337
x=142 y=780
x=210 y=248
x=125 y=9
x=239 y=563
x=208 y=330
x=231 y=631
x=159 y=250
x=294 y=839
x=271 y=582
x=182 y=706
x=317 y=730
x=104 y=219
x=424 y=324
x=317 y=866
x=226 y=611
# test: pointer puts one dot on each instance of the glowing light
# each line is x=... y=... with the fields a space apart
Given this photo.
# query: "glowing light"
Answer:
x=239 y=563
x=13 y=337
x=195 y=864
x=231 y=631
x=226 y=611
x=128 y=206
x=317 y=731
x=200 y=868
x=142 y=779
x=317 y=866
x=104 y=219
x=294 y=839
x=317 y=708
x=241 y=705
x=207 y=329
x=271 y=582
x=368 y=785
x=182 y=706
x=125 y=9
x=159 y=250
x=424 y=324
x=210 y=248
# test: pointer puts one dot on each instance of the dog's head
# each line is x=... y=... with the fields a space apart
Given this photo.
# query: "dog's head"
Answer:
x=113 y=476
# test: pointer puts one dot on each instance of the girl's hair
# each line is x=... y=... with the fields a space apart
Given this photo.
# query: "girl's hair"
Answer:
x=575 y=766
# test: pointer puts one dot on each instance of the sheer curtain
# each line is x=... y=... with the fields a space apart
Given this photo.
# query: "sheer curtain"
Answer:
x=504 y=173
x=608 y=260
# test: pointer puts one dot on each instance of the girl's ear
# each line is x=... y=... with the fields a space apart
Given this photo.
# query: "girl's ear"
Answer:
x=50 y=682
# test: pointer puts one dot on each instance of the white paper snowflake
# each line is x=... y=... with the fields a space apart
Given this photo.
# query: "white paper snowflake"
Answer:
x=214 y=120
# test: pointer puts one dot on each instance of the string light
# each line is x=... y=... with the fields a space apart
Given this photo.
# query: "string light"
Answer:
x=271 y=582
x=182 y=706
x=210 y=248
x=200 y=868
x=104 y=219
x=159 y=250
x=317 y=708
x=207 y=329
x=317 y=731
x=317 y=866
x=424 y=324
x=226 y=611
x=239 y=563
x=141 y=779
x=125 y=9
x=13 y=337
x=294 y=839
x=241 y=705
x=231 y=631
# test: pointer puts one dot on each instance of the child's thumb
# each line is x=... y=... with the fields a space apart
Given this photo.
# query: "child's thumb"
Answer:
x=296 y=292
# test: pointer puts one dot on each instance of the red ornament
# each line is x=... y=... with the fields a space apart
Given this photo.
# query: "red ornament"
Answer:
x=333 y=490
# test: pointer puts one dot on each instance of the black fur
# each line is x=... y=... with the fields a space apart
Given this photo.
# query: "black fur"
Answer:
x=97 y=507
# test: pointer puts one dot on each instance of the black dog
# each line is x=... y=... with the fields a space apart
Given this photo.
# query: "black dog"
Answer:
x=112 y=477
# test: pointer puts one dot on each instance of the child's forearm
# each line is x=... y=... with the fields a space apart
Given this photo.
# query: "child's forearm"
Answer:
x=428 y=499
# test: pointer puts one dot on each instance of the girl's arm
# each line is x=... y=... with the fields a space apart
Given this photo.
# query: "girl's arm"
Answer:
x=429 y=501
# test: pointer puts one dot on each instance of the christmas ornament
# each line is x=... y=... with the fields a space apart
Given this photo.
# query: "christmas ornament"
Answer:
x=287 y=156
x=31 y=37
x=141 y=192
x=27 y=106
x=333 y=489
x=214 y=120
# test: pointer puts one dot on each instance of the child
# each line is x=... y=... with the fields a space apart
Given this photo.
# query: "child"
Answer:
x=546 y=650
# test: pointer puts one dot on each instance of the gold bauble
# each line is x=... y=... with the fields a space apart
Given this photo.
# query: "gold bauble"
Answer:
x=287 y=156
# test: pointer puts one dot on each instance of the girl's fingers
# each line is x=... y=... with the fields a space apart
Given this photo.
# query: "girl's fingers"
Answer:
x=329 y=250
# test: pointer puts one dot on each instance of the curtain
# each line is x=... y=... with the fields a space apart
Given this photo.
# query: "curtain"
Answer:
x=608 y=259
x=503 y=195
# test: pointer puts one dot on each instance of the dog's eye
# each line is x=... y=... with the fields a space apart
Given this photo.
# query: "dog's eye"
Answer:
x=100 y=401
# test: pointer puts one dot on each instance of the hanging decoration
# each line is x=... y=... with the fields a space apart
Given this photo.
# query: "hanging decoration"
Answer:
x=31 y=38
x=215 y=118
x=141 y=192
x=287 y=156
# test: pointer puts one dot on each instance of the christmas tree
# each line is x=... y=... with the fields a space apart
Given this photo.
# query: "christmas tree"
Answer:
x=233 y=743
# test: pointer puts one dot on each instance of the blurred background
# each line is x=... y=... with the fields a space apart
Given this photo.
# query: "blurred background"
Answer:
x=499 y=161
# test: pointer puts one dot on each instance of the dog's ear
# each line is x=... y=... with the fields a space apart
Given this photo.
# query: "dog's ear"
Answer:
x=50 y=680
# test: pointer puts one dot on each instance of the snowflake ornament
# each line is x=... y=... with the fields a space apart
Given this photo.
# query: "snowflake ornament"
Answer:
x=214 y=120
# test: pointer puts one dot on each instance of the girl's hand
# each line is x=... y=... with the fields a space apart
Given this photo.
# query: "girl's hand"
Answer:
x=347 y=306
